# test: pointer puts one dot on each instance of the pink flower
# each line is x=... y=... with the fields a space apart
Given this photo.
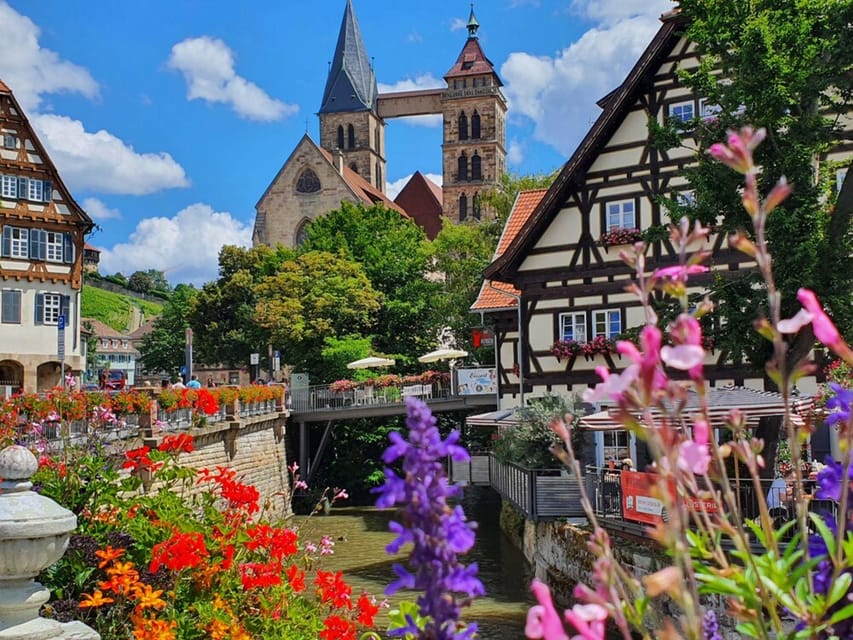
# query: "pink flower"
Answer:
x=300 y=484
x=792 y=325
x=613 y=385
x=738 y=154
x=588 y=620
x=693 y=454
x=824 y=329
x=679 y=272
x=542 y=619
x=683 y=356
x=340 y=494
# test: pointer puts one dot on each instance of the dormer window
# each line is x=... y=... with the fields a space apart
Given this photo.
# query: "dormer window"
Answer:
x=308 y=182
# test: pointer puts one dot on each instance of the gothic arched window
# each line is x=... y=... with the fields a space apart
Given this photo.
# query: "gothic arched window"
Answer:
x=476 y=167
x=340 y=136
x=475 y=126
x=302 y=233
x=463 y=126
x=351 y=136
x=378 y=175
x=353 y=166
x=377 y=140
x=475 y=207
x=308 y=182
x=462 y=168
x=463 y=207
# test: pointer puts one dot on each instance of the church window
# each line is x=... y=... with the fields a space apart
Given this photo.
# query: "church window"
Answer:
x=308 y=182
x=476 y=167
x=302 y=233
x=351 y=136
x=463 y=207
x=378 y=175
x=475 y=126
x=377 y=141
x=353 y=166
x=463 y=126
x=476 y=207
x=462 y=168
x=340 y=136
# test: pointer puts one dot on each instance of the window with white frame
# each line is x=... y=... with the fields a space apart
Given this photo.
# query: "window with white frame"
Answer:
x=11 y=306
x=35 y=190
x=607 y=323
x=682 y=111
x=708 y=110
x=54 y=246
x=621 y=215
x=10 y=141
x=9 y=186
x=573 y=327
x=18 y=246
x=686 y=198
x=52 y=308
x=616 y=445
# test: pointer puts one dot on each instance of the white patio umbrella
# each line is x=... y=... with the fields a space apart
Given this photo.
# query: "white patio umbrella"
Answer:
x=442 y=354
x=445 y=354
x=371 y=361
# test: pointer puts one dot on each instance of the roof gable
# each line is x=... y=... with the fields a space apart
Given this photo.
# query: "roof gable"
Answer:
x=501 y=295
x=472 y=62
x=618 y=104
x=422 y=200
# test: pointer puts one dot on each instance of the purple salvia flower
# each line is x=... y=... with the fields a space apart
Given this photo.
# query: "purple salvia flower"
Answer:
x=839 y=404
x=710 y=626
x=829 y=480
x=437 y=531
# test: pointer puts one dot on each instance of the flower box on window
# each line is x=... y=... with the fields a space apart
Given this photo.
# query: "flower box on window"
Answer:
x=566 y=349
x=619 y=235
x=599 y=344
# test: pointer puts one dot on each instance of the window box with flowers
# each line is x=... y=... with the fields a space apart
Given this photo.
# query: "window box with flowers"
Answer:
x=618 y=235
x=599 y=344
x=565 y=349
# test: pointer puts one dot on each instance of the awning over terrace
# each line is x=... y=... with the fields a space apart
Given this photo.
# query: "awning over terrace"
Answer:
x=502 y=418
x=752 y=403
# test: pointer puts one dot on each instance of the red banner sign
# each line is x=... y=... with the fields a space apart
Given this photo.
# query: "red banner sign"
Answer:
x=639 y=505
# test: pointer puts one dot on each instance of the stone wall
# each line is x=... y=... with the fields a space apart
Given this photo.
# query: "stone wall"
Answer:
x=253 y=447
x=559 y=557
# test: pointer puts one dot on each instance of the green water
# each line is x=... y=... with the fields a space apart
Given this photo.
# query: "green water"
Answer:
x=361 y=536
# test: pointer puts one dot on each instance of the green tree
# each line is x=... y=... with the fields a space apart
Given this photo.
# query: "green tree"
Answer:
x=459 y=253
x=501 y=197
x=140 y=281
x=393 y=252
x=159 y=281
x=312 y=297
x=163 y=348
x=783 y=65
x=223 y=316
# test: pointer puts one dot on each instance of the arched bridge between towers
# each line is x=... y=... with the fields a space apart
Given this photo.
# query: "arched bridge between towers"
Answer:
x=327 y=406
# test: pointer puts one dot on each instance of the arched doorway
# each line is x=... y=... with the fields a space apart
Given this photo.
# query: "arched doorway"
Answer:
x=47 y=376
x=11 y=375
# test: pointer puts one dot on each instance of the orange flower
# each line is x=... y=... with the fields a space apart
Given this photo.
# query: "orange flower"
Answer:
x=95 y=600
x=148 y=598
x=217 y=630
x=123 y=569
x=108 y=555
x=153 y=629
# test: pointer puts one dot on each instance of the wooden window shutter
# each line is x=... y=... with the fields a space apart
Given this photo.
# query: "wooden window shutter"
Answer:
x=7 y=242
x=67 y=248
x=39 y=308
x=47 y=191
x=23 y=191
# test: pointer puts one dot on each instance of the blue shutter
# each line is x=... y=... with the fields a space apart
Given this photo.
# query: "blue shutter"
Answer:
x=7 y=242
x=47 y=190
x=64 y=306
x=38 y=244
x=39 y=308
x=23 y=192
x=67 y=248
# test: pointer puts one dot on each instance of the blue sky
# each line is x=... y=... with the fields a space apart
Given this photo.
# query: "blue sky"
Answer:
x=168 y=118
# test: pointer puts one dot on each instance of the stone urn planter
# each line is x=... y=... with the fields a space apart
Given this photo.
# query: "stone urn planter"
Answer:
x=34 y=533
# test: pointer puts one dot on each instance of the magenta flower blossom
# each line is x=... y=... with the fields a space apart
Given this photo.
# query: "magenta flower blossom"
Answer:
x=824 y=329
x=693 y=454
x=680 y=272
x=437 y=532
x=544 y=622
x=738 y=153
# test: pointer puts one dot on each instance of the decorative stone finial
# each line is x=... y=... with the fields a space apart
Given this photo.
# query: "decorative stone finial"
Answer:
x=34 y=533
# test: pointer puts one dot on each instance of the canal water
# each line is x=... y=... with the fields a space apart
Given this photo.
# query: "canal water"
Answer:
x=361 y=537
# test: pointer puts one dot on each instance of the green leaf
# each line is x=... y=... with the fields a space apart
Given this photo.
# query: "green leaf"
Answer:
x=839 y=588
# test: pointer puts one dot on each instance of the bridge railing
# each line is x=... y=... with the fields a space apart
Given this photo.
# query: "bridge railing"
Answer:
x=326 y=397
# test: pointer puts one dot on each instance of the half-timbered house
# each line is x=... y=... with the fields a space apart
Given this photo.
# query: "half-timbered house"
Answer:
x=41 y=260
x=562 y=265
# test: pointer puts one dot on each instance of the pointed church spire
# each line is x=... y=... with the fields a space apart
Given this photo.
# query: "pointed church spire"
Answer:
x=351 y=85
x=472 y=25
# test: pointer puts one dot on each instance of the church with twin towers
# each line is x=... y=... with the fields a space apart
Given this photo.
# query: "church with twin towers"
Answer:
x=349 y=163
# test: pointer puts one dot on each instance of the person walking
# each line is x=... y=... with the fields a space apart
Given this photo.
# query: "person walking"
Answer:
x=194 y=383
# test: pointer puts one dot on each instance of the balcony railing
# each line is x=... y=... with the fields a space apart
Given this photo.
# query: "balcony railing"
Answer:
x=324 y=398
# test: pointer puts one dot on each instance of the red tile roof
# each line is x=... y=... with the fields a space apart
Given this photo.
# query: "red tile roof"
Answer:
x=491 y=297
x=422 y=199
x=4 y=88
x=365 y=191
x=471 y=62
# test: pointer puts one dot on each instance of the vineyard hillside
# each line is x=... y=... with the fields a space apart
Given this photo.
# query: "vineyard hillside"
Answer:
x=121 y=312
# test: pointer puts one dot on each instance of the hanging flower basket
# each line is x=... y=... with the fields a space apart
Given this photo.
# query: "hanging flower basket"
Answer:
x=621 y=236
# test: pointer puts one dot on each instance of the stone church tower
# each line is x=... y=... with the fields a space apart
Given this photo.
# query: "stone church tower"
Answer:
x=474 y=144
x=348 y=114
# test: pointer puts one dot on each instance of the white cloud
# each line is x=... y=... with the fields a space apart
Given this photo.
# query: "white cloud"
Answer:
x=418 y=83
x=559 y=93
x=186 y=247
x=609 y=12
x=97 y=210
x=29 y=70
x=414 y=37
x=208 y=67
x=393 y=189
x=102 y=162
x=515 y=153
x=457 y=24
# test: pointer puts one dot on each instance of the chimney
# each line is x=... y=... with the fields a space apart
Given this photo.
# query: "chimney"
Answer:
x=339 y=158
